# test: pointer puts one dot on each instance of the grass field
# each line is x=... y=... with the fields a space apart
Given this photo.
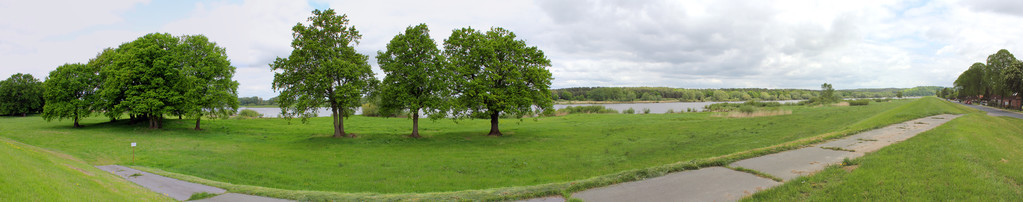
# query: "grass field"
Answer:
x=34 y=174
x=972 y=158
x=274 y=153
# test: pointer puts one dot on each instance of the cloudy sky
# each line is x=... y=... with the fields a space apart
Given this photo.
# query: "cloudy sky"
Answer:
x=686 y=44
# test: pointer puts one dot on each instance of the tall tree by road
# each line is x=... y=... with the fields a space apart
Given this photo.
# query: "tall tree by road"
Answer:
x=996 y=64
x=323 y=69
x=70 y=92
x=21 y=94
x=416 y=76
x=497 y=74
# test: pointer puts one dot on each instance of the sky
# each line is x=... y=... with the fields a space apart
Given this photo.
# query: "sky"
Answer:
x=682 y=44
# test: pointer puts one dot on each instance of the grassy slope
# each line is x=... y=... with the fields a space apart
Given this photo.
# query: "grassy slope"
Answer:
x=974 y=158
x=454 y=156
x=33 y=174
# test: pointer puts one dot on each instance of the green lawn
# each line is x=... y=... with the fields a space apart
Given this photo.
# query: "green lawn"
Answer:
x=275 y=153
x=972 y=158
x=28 y=173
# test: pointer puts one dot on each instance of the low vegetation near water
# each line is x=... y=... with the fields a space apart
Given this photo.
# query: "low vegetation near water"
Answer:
x=973 y=158
x=278 y=154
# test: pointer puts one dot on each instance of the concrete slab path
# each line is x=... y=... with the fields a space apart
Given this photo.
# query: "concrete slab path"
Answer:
x=723 y=184
x=178 y=189
x=706 y=184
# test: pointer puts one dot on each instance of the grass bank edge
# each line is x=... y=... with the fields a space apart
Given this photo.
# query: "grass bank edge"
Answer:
x=99 y=185
x=899 y=114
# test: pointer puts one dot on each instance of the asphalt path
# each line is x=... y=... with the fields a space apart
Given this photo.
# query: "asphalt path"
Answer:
x=995 y=112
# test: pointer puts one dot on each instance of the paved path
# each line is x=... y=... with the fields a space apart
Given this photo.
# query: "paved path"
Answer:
x=723 y=184
x=995 y=112
x=178 y=189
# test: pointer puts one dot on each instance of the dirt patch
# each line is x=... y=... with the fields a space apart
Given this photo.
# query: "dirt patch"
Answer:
x=79 y=170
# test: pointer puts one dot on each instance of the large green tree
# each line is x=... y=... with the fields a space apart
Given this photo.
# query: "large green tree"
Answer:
x=996 y=65
x=971 y=82
x=21 y=94
x=416 y=76
x=206 y=79
x=70 y=92
x=323 y=70
x=143 y=78
x=497 y=74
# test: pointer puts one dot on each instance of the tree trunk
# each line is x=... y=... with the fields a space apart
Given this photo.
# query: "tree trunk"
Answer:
x=415 y=125
x=197 y=123
x=76 y=122
x=493 y=124
x=339 y=130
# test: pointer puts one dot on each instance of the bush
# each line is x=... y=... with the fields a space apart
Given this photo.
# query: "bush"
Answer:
x=646 y=111
x=248 y=113
x=629 y=111
x=594 y=109
x=670 y=111
x=858 y=102
x=727 y=107
x=370 y=109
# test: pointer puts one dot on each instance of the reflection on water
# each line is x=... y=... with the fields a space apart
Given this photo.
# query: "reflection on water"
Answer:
x=655 y=108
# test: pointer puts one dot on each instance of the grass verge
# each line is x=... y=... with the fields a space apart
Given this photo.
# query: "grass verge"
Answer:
x=30 y=173
x=973 y=158
x=548 y=156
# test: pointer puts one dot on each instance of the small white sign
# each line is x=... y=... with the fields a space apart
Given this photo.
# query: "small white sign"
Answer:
x=132 y=144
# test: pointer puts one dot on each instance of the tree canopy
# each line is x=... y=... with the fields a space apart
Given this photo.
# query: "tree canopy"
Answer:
x=323 y=69
x=416 y=76
x=159 y=74
x=70 y=92
x=21 y=94
x=497 y=74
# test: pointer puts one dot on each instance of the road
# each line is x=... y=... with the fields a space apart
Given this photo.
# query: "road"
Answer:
x=995 y=112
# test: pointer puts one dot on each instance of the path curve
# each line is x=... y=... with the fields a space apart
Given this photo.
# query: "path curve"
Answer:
x=723 y=184
x=995 y=112
x=179 y=189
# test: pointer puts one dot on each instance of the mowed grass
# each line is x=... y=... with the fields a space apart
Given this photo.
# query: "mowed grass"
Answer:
x=972 y=158
x=28 y=173
x=276 y=153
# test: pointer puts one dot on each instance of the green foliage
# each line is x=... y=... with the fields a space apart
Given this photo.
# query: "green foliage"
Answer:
x=727 y=107
x=827 y=95
x=629 y=111
x=323 y=70
x=417 y=78
x=497 y=74
x=248 y=113
x=70 y=92
x=21 y=94
x=206 y=79
x=860 y=102
x=256 y=100
x=971 y=158
x=592 y=109
x=646 y=111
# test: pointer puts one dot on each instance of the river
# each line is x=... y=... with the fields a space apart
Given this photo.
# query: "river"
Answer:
x=655 y=108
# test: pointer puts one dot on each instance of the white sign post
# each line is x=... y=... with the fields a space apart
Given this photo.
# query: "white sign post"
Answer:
x=132 y=153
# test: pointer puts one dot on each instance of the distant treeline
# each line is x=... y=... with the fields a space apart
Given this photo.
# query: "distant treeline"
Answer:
x=256 y=100
x=625 y=94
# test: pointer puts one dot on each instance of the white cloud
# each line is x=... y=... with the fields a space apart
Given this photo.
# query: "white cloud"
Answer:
x=691 y=44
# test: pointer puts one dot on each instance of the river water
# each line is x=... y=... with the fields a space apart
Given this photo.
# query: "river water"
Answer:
x=655 y=108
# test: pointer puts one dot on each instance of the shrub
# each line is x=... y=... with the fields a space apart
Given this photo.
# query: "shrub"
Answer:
x=629 y=111
x=594 y=109
x=646 y=111
x=670 y=111
x=248 y=113
x=858 y=102
x=370 y=109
